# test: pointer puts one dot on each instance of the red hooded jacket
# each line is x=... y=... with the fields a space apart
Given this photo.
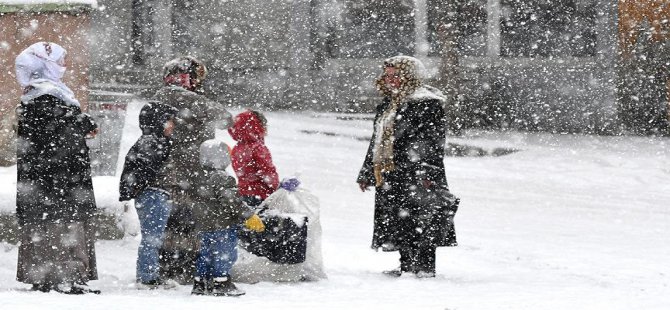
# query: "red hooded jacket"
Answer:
x=252 y=162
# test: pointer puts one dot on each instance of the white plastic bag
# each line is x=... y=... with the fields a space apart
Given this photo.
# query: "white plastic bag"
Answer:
x=251 y=268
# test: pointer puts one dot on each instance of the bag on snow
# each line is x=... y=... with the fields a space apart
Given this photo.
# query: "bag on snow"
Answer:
x=296 y=204
x=283 y=241
x=440 y=205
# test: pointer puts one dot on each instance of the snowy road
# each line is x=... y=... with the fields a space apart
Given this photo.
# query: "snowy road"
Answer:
x=567 y=222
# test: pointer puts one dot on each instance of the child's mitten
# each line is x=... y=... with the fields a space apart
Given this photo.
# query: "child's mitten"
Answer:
x=290 y=184
x=254 y=223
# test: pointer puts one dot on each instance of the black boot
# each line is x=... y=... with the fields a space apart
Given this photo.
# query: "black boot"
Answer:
x=393 y=272
x=224 y=287
x=408 y=259
x=406 y=263
x=72 y=289
x=199 y=286
x=42 y=287
x=426 y=262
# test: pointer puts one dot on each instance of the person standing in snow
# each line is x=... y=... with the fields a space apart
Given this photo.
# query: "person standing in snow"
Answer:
x=144 y=179
x=55 y=203
x=405 y=164
x=218 y=212
x=196 y=121
x=252 y=160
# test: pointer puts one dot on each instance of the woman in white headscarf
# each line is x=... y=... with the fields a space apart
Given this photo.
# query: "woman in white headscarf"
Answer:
x=413 y=207
x=54 y=201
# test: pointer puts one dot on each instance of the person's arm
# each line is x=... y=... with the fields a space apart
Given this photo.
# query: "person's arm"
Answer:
x=87 y=124
x=218 y=114
x=366 y=175
x=228 y=196
x=266 y=168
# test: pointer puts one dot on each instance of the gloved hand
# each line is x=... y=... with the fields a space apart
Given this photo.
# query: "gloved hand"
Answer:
x=254 y=223
x=289 y=184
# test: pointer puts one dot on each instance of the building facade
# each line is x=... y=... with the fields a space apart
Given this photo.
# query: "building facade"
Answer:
x=529 y=64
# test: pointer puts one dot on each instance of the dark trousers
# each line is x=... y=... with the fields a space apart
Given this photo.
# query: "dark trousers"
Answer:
x=252 y=201
x=417 y=258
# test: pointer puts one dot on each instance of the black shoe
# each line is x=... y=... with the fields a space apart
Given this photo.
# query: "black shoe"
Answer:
x=83 y=287
x=74 y=289
x=393 y=272
x=398 y=271
x=41 y=287
x=199 y=286
x=224 y=287
x=157 y=284
x=422 y=274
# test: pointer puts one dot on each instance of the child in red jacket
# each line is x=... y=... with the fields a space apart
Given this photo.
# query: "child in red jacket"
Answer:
x=252 y=162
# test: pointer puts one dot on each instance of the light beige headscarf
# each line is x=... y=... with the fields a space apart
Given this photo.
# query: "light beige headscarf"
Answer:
x=409 y=70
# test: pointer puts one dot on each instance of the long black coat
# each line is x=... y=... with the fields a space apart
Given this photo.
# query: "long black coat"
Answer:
x=404 y=209
x=53 y=165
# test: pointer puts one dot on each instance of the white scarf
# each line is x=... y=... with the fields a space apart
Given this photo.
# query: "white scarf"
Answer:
x=39 y=71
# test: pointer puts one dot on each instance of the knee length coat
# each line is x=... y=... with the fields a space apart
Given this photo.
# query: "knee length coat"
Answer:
x=53 y=166
x=405 y=211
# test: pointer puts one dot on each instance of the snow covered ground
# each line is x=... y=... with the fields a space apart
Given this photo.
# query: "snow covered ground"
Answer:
x=567 y=222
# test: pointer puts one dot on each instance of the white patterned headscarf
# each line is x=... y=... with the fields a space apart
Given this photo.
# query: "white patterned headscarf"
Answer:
x=39 y=71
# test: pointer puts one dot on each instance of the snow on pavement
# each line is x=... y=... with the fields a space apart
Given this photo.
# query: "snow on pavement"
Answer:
x=567 y=222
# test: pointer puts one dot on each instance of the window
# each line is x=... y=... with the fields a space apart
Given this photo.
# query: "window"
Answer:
x=547 y=28
x=376 y=28
x=472 y=21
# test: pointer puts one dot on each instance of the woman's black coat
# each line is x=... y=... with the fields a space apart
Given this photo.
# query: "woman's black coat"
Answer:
x=53 y=166
x=405 y=210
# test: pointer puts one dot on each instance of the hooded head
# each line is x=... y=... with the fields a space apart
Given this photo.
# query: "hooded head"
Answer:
x=42 y=60
x=186 y=72
x=409 y=73
x=248 y=126
x=154 y=116
x=39 y=71
x=214 y=154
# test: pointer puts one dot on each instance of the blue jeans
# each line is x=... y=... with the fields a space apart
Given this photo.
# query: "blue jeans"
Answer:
x=218 y=253
x=153 y=210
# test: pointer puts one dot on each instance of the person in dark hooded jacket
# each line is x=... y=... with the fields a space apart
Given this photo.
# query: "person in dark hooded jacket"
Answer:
x=144 y=179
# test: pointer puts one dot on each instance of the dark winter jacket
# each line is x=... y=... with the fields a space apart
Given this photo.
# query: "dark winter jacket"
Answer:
x=145 y=164
x=251 y=159
x=195 y=123
x=53 y=166
x=217 y=205
x=402 y=203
